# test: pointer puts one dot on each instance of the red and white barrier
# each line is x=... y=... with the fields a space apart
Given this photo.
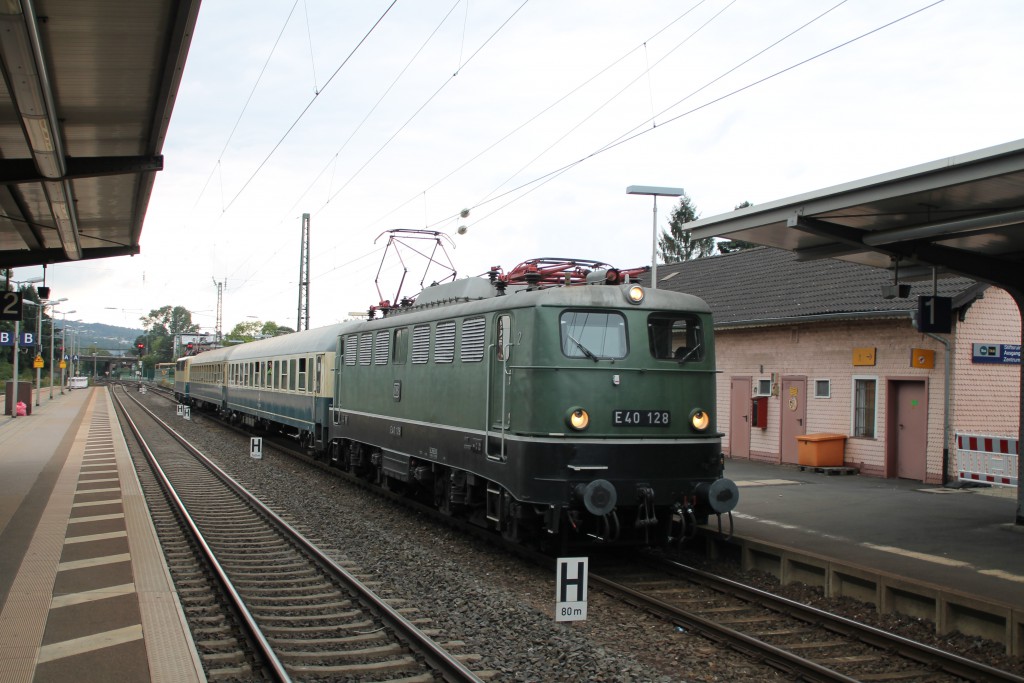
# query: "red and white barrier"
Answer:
x=986 y=459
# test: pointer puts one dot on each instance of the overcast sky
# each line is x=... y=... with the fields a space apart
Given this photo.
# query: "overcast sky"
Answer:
x=535 y=116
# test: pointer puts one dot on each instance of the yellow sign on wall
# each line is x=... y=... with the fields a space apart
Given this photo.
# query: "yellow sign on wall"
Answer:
x=922 y=358
x=864 y=356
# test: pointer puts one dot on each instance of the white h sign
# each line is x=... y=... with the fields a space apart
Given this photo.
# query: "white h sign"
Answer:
x=571 y=589
x=256 y=447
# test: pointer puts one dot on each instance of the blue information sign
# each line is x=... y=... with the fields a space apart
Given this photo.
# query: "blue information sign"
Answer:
x=24 y=339
x=1003 y=354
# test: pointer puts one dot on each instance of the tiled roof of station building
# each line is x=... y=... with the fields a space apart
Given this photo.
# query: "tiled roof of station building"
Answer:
x=764 y=285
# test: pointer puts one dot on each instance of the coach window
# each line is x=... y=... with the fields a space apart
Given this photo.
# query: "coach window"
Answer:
x=309 y=374
x=400 y=346
x=258 y=376
x=593 y=334
x=291 y=374
x=302 y=374
x=284 y=375
x=503 y=336
x=318 y=374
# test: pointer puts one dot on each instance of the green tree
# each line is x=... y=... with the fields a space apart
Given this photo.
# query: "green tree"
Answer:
x=162 y=325
x=252 y=330
x=676 y=244
x=246 y=331
x=729 y=246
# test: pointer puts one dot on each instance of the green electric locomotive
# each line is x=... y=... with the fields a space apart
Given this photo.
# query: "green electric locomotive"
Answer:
x=561 y=403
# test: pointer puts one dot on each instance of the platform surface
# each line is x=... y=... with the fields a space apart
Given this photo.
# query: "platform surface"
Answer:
x=963 y=539
x=85 y=594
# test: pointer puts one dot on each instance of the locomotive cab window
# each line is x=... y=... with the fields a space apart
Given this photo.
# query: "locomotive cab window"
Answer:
x=675 y=337
x=593 y=334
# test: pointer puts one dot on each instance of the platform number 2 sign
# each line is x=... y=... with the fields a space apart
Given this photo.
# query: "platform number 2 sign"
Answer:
x=10 y=305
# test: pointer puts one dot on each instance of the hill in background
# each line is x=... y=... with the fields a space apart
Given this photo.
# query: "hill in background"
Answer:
x=115 y=340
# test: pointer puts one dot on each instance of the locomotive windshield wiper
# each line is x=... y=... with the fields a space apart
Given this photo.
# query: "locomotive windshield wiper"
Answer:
x=689 y=353
x=586 y=352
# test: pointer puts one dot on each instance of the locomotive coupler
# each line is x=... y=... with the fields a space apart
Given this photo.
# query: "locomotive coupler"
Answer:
x=645 y=515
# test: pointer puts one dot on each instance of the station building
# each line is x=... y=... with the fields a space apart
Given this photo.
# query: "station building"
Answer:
x=812 y=355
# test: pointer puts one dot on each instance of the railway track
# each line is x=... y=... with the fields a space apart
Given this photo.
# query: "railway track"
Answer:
x=294 y=612
x=802 y=641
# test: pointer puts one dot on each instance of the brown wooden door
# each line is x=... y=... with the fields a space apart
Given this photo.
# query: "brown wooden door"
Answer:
x=911 y=406
x=739 y=417
x=793 y=406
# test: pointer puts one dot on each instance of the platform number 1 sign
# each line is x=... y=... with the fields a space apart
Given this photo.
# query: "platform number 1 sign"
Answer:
x=571 y=589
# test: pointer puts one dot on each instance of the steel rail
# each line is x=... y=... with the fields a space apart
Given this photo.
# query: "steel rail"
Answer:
x=926 y=654
x=251 y=626
x=450 y=668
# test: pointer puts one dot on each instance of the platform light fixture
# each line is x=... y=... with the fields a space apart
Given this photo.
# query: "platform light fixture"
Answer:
x=655 y=192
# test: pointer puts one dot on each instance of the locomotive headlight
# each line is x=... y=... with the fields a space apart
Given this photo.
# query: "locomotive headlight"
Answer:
x=699 y=419
x=635 y=294
x=577 y=419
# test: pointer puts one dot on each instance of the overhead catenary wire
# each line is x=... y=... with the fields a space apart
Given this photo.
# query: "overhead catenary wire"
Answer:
x=533 y=184
x=536 y=116
x=462 y=65
x=308 y=106
x=332 y=163
x=628 y=137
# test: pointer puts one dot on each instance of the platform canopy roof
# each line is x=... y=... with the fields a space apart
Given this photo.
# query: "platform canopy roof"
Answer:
x=86 y=96
x=961 y=215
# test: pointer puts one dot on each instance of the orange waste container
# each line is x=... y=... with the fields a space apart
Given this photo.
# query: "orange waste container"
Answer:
x=821 y=450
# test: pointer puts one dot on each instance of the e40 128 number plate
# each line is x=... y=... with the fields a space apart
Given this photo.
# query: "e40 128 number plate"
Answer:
x=640 y=418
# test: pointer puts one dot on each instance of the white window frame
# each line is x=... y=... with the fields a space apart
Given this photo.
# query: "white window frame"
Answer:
x=757 y=387
x=853 y=405
x=828 y=384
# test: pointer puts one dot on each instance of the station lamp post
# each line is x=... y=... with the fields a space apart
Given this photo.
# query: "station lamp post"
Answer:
x=39 y=343
x=655 y=192
x=63 y=345
x=52 y=314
